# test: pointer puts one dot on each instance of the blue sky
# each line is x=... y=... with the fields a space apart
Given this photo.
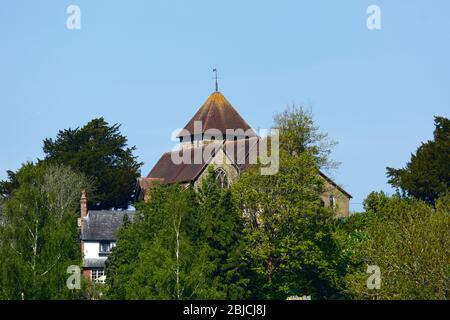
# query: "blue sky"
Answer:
x=147 y=65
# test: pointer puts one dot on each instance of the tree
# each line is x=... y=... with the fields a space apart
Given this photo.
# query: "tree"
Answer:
x=7 y=186
x=121 y=262
x=409 y=241
x=299 y=134
x=99 y=151
x=183 y=244
x=290 y=244
x=39 y=234
x=163 y=258
x=221 y=226
x=427 y=175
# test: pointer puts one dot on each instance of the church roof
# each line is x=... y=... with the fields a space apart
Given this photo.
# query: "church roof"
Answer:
x=218 y=113
x=167 y=171
x=243 y=152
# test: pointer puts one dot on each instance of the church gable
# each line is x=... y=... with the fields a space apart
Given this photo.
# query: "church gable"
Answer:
x=221 y=164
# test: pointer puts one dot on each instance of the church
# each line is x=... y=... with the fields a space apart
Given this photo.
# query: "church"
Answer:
x=216 y=136
x=234 y=141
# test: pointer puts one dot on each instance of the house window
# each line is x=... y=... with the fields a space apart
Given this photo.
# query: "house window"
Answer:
x=332 y=202
x=221 y=178
x=98 y=275
x=106 y=247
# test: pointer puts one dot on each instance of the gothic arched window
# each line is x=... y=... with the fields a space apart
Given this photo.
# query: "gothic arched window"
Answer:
x=221 y=177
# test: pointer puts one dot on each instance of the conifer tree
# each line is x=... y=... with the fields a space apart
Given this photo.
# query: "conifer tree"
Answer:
x=222 y=230
x=427 y=175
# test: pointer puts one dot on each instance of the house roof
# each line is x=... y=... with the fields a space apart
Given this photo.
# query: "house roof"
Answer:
x=94 y=263
x=217 y=113
x=103 y=225
x=323 y=175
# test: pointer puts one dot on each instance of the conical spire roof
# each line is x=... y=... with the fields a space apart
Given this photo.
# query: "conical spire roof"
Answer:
x=218 y=113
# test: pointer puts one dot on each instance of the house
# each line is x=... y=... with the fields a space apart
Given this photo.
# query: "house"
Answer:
x=98 y=236
x=225 y=141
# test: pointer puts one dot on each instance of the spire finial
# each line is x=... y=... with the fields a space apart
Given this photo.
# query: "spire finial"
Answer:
x=216 y=78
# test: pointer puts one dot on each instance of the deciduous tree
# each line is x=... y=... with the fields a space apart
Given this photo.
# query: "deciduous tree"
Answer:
x=39 y=234
x=290 y=244
x=409 y=241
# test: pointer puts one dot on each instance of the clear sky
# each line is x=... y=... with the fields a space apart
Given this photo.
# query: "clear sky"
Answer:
x=147 y=65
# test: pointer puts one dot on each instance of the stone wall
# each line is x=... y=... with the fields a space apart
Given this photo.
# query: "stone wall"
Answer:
x=341 y=203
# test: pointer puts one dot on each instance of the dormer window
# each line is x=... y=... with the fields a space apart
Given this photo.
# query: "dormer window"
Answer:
x=106 y=247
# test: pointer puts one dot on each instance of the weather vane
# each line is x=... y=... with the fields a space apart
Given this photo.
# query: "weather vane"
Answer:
x=216 y=78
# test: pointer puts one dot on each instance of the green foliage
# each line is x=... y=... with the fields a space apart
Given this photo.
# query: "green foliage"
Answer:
x=290 y=247
x=427 y=175
x=408 y=239
x=267 y=237
x=184 y=245
x=100 y=152
x=39 y=234
x=121 y=261
x=299 y=134
x=7 y=186
x=221 y=226
x=288 y=233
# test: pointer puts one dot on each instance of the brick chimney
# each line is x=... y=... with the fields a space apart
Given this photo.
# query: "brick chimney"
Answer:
x=83 y=210
x=83 y=204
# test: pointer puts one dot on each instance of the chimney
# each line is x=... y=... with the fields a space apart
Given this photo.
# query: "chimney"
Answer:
x=83 y=204
x=83 y=209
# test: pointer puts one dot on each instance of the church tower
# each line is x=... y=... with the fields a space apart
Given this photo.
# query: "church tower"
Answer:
x=215 y=120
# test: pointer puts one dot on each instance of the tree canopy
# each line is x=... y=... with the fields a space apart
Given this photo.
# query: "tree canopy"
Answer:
x=299 y=134
x=39 y=234
x=288 y=232
x=264 y=237
x=427 y=175
x=99 y=151
x=183 y=245
x=408 y=240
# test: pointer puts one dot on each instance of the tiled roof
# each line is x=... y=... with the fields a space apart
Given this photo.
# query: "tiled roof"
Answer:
x=94 y=263
x=103 y=225
x=169 y=172
x=218 y=113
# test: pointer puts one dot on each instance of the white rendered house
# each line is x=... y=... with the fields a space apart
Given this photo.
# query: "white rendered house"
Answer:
x=98 y=237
